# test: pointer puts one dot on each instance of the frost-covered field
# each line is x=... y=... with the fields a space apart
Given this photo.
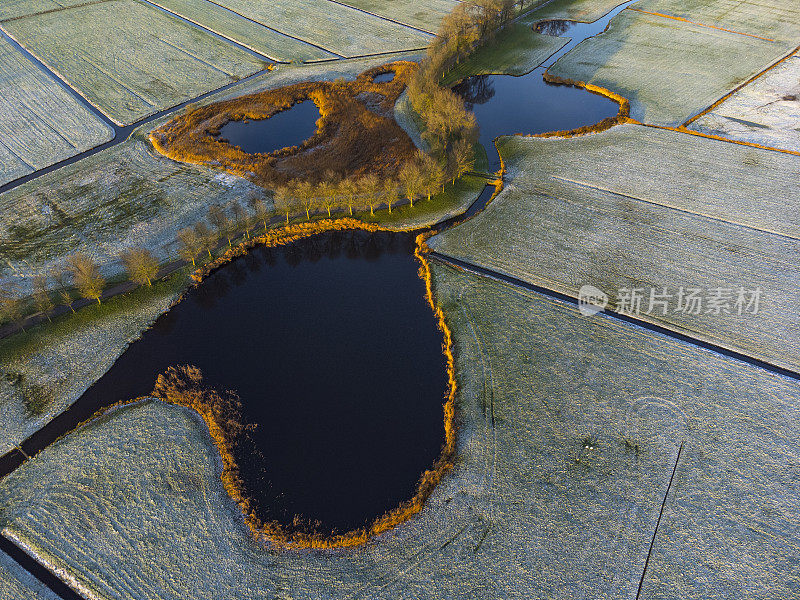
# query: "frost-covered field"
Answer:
x=60 y=361
x=248 y=33
x=766 y=111
x=10 y=9
x=18 y=584
x=40 y=122
x=669 y=70
x=149 y=60
x=637 y=207
x=773 y=19
x=336 y=28
x=585 y=11
x=569 y=432
x=423 y=15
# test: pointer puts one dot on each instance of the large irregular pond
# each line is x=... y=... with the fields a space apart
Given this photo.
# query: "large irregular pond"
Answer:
x=285 y=129
x=337 y=359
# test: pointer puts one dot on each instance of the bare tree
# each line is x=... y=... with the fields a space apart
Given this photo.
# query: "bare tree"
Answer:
x=260 y=212
x=10 y=304
x=348 y=192
x=86 y=276
x=206 y=238
x=370 y=187
x=62 y=286
x=328 y=195
x=220 y=222
x=41 y=295
x=307 y=195
x=432 y=175
x=142 y=267
x=389 y=193
x=240 y=221
x=411 y=180
x=284 y=200
x=189 y=244
x=462 y=158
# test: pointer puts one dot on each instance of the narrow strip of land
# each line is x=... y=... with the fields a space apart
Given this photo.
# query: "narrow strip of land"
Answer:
x=37 y=570
x=657 y=14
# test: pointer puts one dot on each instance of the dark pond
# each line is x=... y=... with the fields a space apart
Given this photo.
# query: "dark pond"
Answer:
x=337 y=359
x=287 y=128
x=383 y=77
x=505 y=104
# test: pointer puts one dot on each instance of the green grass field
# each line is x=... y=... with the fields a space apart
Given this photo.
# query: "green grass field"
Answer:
x=637 y=207
x=151 y=62
x=585 y=11
x=252 y=35
x=569 y=433
x=516 y=50
x=40 y=122
x=668 y=69
x=426 y=16
x=336 y=28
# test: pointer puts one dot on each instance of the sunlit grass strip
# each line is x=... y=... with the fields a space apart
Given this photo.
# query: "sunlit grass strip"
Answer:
x=720 y=138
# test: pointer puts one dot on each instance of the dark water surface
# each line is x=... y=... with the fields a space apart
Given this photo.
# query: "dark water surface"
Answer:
x=337 y=359
x=287 y=128
x=505 y=104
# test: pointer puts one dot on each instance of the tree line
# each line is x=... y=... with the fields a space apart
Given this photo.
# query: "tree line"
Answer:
x=448 y=128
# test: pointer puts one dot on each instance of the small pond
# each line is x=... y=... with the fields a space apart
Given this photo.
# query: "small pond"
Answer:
x=337 y=359
x=383 y=77
x=287 y=128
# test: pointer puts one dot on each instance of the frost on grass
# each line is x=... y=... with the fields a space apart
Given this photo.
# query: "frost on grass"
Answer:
x=151 y=62
x=46 y=369
x=766 y=111
x=774 y=19
x=637 y=207
x=669 y=70
x=40 y=122
x=11 y=9
x=585 y=11
x=121 y=197
x=17 y=584
x=423 y=15
x=332 y=26
x=253 y=35
x=569 y=432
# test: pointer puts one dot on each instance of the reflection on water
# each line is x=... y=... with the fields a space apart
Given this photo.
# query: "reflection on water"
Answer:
x=337 y=359
x=283 y=130
x=556 y=27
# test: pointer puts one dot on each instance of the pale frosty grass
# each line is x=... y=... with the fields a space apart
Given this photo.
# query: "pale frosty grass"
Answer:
x=585 y=11
x=773 y=19
x=252 y=35
x=669 y=70
x=10 y=9
x=546 y=500
x=336 y=28
x=766 y=112
x=40 y=122
x=67 y=360
x=423 y=15
x=151 y=62
x=647 y=208
x=18 y=584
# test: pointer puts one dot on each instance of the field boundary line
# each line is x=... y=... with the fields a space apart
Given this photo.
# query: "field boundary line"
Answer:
x=385 y=18
x=276 y=30
x=674 y=334
x=682 y=20
x=711 y=136
x=241 y=45
x=17 y=156
x=671 y=207
x=741 y=86
x=197 y=58
x=52 y=10
x=658 y=521
x=36 y=569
